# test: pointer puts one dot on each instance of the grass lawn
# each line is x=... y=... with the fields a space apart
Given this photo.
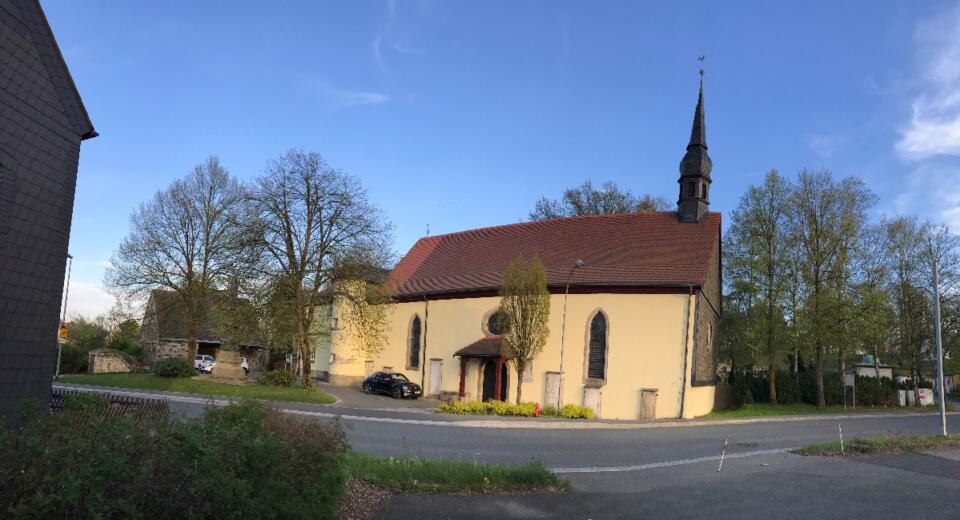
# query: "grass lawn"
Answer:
x=193 y=386
x=414 y=475
x=765 y=409
x=856 y=447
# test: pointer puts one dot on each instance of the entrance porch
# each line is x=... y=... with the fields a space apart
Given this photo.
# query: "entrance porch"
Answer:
x=491 y=355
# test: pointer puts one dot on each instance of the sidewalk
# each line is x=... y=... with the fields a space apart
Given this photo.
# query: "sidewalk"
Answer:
x=422 y=415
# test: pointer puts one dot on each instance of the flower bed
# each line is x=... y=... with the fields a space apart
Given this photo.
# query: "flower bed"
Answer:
x=569 y=411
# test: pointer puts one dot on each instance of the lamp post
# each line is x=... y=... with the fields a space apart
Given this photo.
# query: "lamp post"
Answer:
x=563 y=328
x=936 y=316
x=63 y=315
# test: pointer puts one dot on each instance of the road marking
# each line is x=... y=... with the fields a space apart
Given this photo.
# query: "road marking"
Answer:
x=668 y=463
x=501 y=424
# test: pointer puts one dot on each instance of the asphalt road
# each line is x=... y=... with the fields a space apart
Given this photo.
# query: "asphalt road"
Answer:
x=599 y=448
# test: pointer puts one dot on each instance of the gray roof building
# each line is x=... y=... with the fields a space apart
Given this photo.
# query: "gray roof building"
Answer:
x=42 y=122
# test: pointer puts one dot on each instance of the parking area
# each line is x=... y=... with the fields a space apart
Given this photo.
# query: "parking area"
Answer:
x=350 y=397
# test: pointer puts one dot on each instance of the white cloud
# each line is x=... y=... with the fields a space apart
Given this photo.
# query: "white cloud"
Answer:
x=88 y=300
x=930 y=141
x=335 y=98
x=934 y=127
x=825 y=145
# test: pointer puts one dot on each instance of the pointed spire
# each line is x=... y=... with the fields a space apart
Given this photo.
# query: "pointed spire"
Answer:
x=695 y=168
x=698 y=135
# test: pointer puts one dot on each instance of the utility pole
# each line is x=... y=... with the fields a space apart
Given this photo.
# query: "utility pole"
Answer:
x=563 y=329
x=937 y=335
x=63 y=315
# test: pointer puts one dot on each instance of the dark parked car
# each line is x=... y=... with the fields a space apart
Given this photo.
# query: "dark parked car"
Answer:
x=391 y=383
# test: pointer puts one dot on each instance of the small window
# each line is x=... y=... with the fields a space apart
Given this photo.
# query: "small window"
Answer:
x=498 y=323
x=703 y=191
x=597 y=351
x=415 y=343
x=691 y=189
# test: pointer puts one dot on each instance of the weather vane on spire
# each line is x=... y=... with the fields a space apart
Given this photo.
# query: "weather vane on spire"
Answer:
x=700 y=59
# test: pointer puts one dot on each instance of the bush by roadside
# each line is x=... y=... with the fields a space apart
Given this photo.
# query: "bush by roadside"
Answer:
x=569 y=411
x=277 y=378
x=241 y=461
x=173 y=367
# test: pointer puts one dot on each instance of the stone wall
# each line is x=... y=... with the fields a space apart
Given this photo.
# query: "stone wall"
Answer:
x=109 y=362
x=164 y=349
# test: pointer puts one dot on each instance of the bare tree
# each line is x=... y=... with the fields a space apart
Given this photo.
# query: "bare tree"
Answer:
x=587 y=200
x=525 y=302
x=185 y=239
x=317 y=228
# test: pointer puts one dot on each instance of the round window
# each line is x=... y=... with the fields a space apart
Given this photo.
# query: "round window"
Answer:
x=497 y=323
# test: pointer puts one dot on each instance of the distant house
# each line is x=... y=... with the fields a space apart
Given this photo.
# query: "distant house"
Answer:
x=43 y=122
x=164 y=330
x=868 y=368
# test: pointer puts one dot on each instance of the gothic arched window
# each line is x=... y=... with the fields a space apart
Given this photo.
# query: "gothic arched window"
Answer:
x=597 y=348
x=415 y=342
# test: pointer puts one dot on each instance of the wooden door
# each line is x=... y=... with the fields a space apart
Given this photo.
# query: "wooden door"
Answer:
x=436 y=370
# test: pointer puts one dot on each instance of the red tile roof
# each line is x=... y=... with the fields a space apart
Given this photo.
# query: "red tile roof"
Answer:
x=650 y=249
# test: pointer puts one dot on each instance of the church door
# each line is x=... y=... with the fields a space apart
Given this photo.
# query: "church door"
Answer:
x=490 y=380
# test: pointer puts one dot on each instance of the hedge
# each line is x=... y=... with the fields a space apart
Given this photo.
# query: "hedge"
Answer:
x=802 y=388
x=240 y=461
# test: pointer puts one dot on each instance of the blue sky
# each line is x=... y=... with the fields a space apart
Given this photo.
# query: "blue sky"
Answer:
x=462 y=114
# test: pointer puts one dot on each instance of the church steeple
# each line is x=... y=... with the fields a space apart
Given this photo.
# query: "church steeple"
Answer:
x=694 y=202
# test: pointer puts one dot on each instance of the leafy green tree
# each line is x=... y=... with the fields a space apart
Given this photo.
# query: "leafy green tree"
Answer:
x=125 y=336
x=758 y=246
x=826 y=218
x=585 y=199
x=525 y=302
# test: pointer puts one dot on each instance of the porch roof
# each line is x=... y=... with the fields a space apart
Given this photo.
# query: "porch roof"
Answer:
x=486 y=347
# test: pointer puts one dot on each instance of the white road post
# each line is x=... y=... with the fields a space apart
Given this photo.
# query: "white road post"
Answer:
x=723 y=452
x=840 y=428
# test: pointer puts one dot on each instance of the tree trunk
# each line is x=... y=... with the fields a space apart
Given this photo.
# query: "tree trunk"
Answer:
x=303 y=345
x=821 y=399
x=772 y=378
x=193 y=330
x=771 y=357
x=519 y=384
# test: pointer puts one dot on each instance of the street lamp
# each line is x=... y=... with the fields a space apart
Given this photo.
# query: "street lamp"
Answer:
x=563 y=328
x=63 y=315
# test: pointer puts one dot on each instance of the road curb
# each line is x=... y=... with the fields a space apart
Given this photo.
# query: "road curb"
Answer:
x=501 y=423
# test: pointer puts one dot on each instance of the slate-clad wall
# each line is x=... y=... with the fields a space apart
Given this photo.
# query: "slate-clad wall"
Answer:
x=39 y=150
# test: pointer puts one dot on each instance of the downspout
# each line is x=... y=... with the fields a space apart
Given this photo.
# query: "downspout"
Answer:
x=423 y=364
x=686 y=342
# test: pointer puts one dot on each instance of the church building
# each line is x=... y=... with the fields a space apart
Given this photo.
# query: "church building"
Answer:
x=635 y=305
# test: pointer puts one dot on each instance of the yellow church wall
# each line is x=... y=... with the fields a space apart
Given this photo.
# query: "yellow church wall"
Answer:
x=645 y=349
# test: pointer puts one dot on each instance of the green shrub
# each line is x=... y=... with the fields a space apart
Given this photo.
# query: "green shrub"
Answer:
x=572 y=411
x=569 y=411
x=73 y=359
x=277 y=378
x=173 y=367
x=241 y=461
